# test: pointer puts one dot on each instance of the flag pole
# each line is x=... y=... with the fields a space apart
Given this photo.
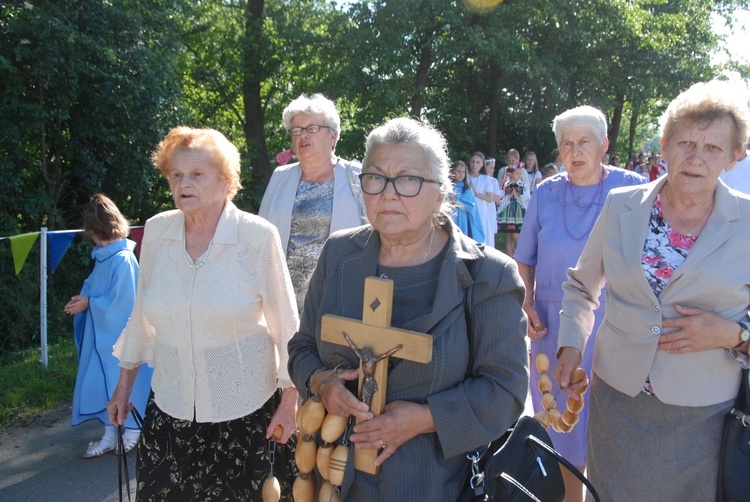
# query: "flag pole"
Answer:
x=43 y=295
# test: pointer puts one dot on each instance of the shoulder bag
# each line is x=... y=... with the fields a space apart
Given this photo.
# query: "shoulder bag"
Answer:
x=734 y=459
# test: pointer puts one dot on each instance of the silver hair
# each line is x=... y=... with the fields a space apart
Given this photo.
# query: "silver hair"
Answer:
x=706 y=102
x=317 y=104
x=405 y=130
x=582 y=116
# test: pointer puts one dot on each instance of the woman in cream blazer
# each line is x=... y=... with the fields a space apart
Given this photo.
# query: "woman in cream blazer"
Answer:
x=669 y=353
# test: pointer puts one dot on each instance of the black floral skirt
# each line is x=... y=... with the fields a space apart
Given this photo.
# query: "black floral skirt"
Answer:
x=186 y=460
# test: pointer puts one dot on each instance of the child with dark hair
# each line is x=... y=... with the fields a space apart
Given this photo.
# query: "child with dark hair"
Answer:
x=102 y=310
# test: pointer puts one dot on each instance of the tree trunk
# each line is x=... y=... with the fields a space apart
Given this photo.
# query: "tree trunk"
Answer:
x=633 y=123
x=472 y=90
x=420 y=81
x=493 y=109
x=614 y=130
x=255 y=135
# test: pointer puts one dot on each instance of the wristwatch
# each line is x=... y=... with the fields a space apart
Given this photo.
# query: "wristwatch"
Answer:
x=744 y=334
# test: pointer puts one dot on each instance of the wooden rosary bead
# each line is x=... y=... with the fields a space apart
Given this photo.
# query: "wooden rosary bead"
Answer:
x=574 y=405
x=545 y=383
x=577 y=375
x=305 y=454
x=304 y=487
x=542 y=362
x=583 y=389
x=271 y=491
x=548 y=401
x=570 y=418
x=333 y=427
x=313 y=413
x=542 y=417
x=337 y=465
x=554 y=419
x=278 y=431
x=323 y=458
x=564 y=428
x=328 y=493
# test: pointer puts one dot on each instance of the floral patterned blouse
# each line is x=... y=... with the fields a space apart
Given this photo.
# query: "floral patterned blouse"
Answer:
x=664 y=251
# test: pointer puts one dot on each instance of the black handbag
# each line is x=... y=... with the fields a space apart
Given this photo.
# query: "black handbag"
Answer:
x=734 y=459
x=522 y=464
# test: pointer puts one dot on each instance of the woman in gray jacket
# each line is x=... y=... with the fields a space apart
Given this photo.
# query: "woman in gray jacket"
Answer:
x=474 y=387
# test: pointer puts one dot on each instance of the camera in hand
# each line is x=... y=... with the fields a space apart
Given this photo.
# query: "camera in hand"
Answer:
x=514 y=186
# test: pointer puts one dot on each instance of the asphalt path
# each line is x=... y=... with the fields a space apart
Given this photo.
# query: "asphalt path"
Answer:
x=41 y=460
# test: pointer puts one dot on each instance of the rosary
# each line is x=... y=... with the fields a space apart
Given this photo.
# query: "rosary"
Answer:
x=550 y=415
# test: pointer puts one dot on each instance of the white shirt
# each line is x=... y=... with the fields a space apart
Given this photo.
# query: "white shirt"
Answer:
x=216 y=335
x=739 y=177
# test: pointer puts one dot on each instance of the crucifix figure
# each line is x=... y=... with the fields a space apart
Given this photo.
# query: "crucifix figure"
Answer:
x=371 y=336
x=367 y=361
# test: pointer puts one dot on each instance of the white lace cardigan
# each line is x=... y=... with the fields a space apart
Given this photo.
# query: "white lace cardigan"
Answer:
x=215 y=335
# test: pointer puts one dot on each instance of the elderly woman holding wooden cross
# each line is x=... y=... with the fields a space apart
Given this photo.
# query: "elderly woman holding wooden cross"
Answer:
x=472 y=385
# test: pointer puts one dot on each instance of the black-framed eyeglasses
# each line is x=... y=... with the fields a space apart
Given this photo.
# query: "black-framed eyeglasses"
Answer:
x=406 y=185
x=311 y=129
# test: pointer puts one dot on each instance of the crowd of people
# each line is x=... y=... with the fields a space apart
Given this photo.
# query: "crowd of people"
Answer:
x=229 y=308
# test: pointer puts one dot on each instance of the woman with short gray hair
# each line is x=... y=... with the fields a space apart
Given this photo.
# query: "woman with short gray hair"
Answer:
x=316 y=196
x=559 y=218
x=474 y=387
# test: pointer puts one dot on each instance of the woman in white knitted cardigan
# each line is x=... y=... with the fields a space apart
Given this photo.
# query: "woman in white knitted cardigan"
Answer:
x=209 y=273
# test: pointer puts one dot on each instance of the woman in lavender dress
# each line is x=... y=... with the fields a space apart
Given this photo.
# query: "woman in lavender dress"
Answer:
x=560 y=216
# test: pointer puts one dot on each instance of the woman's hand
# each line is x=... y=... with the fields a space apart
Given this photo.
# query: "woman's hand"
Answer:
x=534 y=327
x=119 y=406
x=76 y=305
x=568 y=361
x=285 y=416
x=400 y=422
x=336 y=397
x=698 y=330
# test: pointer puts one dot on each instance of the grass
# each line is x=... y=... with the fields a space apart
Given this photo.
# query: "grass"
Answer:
x=27 y=388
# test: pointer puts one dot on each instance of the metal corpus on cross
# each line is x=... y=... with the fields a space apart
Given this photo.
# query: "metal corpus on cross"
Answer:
x=371 y=338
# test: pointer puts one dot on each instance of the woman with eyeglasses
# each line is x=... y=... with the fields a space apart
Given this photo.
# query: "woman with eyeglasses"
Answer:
x=316 y=196
x=474 y=387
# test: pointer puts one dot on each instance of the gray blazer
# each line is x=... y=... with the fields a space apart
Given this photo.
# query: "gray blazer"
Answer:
x=468 y=412
x=714 y=277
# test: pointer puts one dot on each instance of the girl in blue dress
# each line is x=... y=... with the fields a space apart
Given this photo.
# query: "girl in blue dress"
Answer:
x=465 y=214
x=102 y=310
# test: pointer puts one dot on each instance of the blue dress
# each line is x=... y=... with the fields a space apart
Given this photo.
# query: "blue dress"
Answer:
x=111 y=292
x=558 y=222
x=466 y=214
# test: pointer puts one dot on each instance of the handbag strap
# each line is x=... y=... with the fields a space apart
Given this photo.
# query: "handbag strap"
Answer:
x=562 y=460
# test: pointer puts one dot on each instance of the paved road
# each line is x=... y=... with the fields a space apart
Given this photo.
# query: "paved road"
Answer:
x=40 y=460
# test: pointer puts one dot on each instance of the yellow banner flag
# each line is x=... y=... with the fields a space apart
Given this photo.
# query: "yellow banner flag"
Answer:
x=20 y=245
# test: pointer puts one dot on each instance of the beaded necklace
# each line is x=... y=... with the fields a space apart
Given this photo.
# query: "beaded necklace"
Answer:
x=203 y=258
x=597 y=195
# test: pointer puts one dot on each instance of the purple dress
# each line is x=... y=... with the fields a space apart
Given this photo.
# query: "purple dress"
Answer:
x=552 y=239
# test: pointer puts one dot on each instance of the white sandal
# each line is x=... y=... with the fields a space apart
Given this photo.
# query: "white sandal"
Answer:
x=99 y=448
x=128 y=443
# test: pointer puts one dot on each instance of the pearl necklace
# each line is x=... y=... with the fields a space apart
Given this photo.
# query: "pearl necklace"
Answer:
x=204 y=257
x=432 y=236
x=597 y=194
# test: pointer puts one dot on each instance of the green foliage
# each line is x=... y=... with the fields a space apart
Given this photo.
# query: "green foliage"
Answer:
x=28 y=388
x=88 y=87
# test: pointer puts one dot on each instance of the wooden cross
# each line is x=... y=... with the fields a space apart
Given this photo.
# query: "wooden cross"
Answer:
x=374 y=332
